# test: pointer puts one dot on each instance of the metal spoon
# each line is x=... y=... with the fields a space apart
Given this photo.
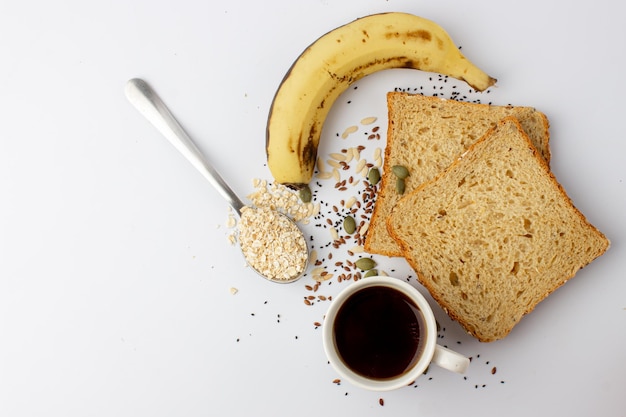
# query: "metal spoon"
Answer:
x=145 y=99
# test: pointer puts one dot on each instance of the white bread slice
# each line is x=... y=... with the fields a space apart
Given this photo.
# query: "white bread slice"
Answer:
x=426 y=134
x=494 y=234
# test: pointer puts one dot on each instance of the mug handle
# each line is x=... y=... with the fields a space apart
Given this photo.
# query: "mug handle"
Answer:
x=450 y=360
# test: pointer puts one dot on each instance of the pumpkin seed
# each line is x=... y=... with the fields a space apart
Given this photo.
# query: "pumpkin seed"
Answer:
x=365 y=264
x=370 y=273
x=373 y=176
x=400 y=185
x=349 y=225
x=305 y=194
x=400 y=171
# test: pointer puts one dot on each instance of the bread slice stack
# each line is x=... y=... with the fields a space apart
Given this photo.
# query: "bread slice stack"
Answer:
x=425 y=135
x=492 y=233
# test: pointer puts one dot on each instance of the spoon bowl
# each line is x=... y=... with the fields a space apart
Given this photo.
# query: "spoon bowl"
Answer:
x=150 y=105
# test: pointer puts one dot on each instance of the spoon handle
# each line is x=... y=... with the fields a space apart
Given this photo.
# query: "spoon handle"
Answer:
x=146 y=100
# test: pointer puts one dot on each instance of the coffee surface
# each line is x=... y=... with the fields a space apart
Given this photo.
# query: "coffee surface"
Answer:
x=378 y=332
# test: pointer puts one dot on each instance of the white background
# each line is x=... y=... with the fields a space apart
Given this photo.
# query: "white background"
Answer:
x=114 y=264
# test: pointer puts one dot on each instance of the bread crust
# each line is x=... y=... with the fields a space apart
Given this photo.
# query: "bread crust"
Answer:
x=377 y=239
x=471 y=327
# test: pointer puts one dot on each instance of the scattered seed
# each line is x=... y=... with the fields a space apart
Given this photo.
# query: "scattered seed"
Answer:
x=370 y=273
x=400 y=171
x=373 y=176
x=364 y=228
x=349 y=225
x=400 y=186
x=381 y=401
x=305 y=194
x=365 y=264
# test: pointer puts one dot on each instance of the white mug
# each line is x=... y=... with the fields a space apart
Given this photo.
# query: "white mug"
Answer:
x=424 y=349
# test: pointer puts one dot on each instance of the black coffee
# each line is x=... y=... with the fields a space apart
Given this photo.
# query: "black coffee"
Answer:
x=378 y=332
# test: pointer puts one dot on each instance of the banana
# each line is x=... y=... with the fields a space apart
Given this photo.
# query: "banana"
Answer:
x=336 y=60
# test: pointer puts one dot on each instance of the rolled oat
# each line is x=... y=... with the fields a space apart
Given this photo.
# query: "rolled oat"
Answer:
x=272 y=244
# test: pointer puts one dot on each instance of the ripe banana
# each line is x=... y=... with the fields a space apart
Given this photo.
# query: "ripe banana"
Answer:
x=336 y=60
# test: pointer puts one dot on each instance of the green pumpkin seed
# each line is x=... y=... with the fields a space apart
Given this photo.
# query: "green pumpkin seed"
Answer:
x=373 y=176
x=305 y=194
x=400 y=171
x=365 y=264
x=400 y=185
x=349 y=225
x=371 y=273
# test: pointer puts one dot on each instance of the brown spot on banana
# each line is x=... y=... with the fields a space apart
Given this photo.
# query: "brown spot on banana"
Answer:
x=423 y=35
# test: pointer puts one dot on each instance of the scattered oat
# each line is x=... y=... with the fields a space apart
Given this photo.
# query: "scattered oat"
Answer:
x=357 y=249
x=320 y=165
x=324 y=175
x=338 y=156
x=233 y=290
x=334 y=164
x=350 y=202
x=349 y=156
x=368 y=120
x=318 y=270
x=231 y=221
x=363 y=229
x=322 y=277
x=349 y=131
x=360 y=165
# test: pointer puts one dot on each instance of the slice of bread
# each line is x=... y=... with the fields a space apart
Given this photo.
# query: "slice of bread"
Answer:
x=426 y=134
x=494 y=234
